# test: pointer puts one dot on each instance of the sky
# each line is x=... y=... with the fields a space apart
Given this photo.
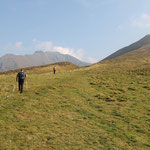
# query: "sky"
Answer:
x=89 y=30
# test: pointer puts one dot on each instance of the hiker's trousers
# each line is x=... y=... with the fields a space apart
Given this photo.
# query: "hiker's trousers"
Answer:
x=20 y=84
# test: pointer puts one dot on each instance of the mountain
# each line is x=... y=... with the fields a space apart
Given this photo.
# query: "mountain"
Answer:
x=135 y=46
x=11 y=61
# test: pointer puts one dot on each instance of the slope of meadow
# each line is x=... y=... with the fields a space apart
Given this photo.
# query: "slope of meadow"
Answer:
x=87 y=108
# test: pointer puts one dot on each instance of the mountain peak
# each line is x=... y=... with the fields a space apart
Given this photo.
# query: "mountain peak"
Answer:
x=147 y=36
x=39 y=58
x=146 y=39
x=38 y=52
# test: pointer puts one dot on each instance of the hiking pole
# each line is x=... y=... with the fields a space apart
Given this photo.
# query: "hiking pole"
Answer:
x=26 y=84
x=14 y=87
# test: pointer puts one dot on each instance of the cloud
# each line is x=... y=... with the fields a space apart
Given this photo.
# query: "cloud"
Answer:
x=18 y=45
x=37 y=45
x=48 y=46
x=15 y=46
x=143 y=21
x=76 y=53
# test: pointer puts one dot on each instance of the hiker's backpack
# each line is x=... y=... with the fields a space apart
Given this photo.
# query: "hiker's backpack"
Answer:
x=21 y=75
x=54 y=68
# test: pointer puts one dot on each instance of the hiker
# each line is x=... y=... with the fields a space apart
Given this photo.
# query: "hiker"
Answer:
x=20 y=78
x=54 y=69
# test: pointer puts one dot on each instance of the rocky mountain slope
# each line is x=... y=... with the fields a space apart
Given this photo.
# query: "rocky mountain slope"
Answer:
x=11 y=61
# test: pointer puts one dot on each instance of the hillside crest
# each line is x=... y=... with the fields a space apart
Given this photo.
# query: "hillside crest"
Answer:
x=135 y=46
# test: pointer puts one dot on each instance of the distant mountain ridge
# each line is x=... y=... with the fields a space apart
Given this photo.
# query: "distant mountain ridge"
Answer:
x=11 y=61
x=137 y=45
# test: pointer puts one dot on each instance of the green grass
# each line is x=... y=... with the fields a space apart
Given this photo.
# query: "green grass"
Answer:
x=87 y=108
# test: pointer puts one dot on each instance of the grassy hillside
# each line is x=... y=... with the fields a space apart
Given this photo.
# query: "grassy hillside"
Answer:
x=137 y=45
x=137 y=59
x=97 y=107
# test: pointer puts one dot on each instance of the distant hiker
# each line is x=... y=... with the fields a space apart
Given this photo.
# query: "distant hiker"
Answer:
x=54 y=69
x=20 y=78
